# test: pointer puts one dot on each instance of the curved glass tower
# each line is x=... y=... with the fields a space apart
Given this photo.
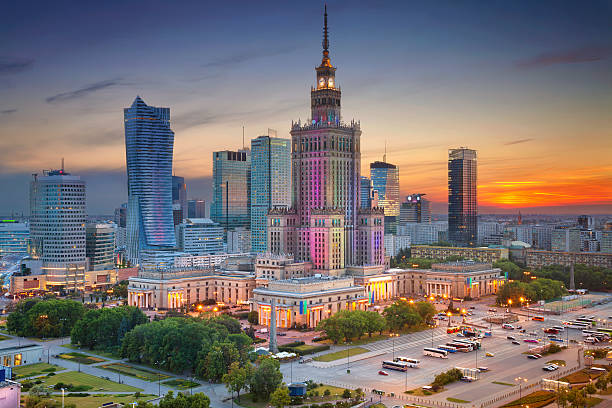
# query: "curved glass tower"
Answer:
x=149 y=143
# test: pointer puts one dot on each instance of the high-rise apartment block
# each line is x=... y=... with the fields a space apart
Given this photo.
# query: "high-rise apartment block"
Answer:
x=325 y=225
x=565 y=239
x=200 y=236
x=149 y=144
x=14 y=237
x=462 y=203
x=231 y=189
x=270 y=184
x=385 y=180
x=415 y=209
x=196 y=208
x=100 y=245
x=57 y=228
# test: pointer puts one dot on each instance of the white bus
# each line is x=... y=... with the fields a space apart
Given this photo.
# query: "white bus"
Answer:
x=585 y=320
x=433 y=352
x=474 y=343
x=395 y=365
x=577 y=325
x=412 y=362
x=464 y=348
x=450 y=349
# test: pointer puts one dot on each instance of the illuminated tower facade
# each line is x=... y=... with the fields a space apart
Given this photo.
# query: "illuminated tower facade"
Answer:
x=322 y=225
x=462 y=211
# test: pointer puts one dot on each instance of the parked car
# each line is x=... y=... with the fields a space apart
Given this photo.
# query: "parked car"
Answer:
x=482 y=369
x=472 y=307
x=492 y=310
x=381 y=372
x=510 y=337
x=550 y=367
x=522 y=331
x=490 y=355
x=530 y=341
x=516 y=342
x=507 y=326
x=519 y=327
x=533 y=356
x=281 y=334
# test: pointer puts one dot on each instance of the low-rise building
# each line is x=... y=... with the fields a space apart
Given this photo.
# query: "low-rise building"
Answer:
x=25 y=354
x=538 y=259
x=278 y=267
x=487 y=255
x=307 y=301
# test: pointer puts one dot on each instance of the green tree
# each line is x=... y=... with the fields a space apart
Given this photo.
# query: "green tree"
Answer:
x=374 y=322
x=401 y=314
x=266 y=378
x=346 y=393
x=237 y=378
x=280 y=397
x=198 y=400
x=253 y=317
x=332 y=329
x=426 y=310
x=45 y=318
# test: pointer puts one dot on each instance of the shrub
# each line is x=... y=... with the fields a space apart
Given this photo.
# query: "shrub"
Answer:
x=327 y=392
x=77 y=394
x=346 y=393
x=50 y=374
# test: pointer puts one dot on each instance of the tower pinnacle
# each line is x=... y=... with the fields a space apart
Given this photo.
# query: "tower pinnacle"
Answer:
x=326 y=62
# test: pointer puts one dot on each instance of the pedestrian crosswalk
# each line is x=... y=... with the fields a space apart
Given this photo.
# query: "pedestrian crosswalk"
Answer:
x=408 y=340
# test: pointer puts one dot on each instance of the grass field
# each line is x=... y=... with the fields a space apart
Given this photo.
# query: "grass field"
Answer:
x=341 y=354
x=246 y=400
x=503 y=383
x=81 y=358
x=2 y=337
x=95 y=401
x=457 y=400
x=100 y=353
x=181 y=384
x=35 y=369
x=96 y=383
x=132 y=371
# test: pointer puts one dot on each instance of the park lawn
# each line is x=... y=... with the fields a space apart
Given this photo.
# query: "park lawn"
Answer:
x=534 y=400
x=35 y=369
x=81 y=358
x=581 y=376
x=2 y=337
x=341 y=354
x=457 y=400
x=101 y=353
x=96 y=383
x=181 y=384
x=592 y=401
x=503 y=383
x=95 y=401
x=307 y=348
x=132 y=371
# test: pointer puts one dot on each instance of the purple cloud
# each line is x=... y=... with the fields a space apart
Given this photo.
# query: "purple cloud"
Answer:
x=577 y=55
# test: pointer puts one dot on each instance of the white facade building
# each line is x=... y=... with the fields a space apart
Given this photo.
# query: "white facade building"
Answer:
x=422 y=233
x=394 y=243
x=200 y=236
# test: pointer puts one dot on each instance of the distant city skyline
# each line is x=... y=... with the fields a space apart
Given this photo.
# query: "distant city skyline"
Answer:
x=528 y=86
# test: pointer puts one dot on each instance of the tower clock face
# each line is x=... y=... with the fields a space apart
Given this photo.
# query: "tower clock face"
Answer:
x=321 y=82
x=330 y=82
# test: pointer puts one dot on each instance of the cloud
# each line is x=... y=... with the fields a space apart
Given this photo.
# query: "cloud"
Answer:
x=14 y=66
x=237 y=59
x=583 y=54
x=513 y=142
x=8 y=111
x=82 y=92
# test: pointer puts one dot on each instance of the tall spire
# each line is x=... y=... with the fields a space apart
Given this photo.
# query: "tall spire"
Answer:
x=325 y=61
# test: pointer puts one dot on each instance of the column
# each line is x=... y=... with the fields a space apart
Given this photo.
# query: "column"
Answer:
x=130 y=298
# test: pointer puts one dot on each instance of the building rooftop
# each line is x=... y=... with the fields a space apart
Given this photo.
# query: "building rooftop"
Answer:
x=23 y=347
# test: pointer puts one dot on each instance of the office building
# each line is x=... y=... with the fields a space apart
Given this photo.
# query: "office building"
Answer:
x=231 y=189
x=488 y=255
x=14 y=237
x=57 y=228
x=179 y=196
x=385 y=180
x=270 y=184
x=538 y=259
x=395 y=243
x=149 y=143
x=325 y=225
x=585 y=222
x=462 y=203
x=366 y=192
x=200 y=236
x=423 y=233
x=238 y=240
x=606 y=242
x=565 y=239
x=542 y=237
x=121 y=216
x=196 y=208
x=278 y=267
x=490 y=232
x=415 y=209
x=100 y=245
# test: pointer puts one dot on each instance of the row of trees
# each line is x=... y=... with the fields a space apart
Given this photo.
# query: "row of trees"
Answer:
x=537 y=289
x=44 y=318
x=346 y=325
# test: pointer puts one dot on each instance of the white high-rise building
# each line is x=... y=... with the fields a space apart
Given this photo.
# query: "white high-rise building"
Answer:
x=422 y=233
x=200 y=236
x=57 y=228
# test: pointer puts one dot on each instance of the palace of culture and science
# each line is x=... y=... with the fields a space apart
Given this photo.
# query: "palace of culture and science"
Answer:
x=326 y=224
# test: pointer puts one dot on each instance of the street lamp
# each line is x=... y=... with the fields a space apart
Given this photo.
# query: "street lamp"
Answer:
x=449 y=314
x=62 y=398
x=520 y=380
x=393 y=335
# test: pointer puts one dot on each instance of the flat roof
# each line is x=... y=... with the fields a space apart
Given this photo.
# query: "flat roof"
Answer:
x=23 y=347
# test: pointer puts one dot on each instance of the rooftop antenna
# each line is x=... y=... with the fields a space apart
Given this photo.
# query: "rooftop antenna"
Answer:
x=385 y=155
x=242 y=137
x=62 y=164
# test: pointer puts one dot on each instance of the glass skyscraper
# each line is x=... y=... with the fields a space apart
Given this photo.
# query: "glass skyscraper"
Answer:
x=231 y=189
x=179 y=195
x=365 y=192
x=149 y=144
x=462 y=210
x=270 y=184
x=385 y=180
x=14 y=237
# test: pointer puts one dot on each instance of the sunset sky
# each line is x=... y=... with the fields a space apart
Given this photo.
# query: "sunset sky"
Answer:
x=528 y=84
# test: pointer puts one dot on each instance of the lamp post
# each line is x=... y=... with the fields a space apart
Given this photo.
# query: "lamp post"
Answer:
x=449 y=314
x=520 y=381
x=62 y=398
x=393 y=336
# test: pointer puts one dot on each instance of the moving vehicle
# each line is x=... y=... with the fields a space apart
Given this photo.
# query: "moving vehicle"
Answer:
x=551 y=330
x=533 y=356
x=511 y=337
x=411 y=362
x=556 y=339
x=395 y=365
x=550 y=367
x=381 y=372
x=591 y=340
x=450 y=349
x=531 y=340
x=433 y=352
x=538 y=318
x=464 y=348
x=516 y=342
x=507 y=326
x=560 y=328
x=482 y=369
x=452 y=330
x=490 y=355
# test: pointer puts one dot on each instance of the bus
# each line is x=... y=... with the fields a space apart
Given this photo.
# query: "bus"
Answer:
x=450 y=349
x=605 y=331
x=474 y=343
x=577 y=325
x=395 y=365
x=560 y=328
x=464 y=348
x=587 y=320
x=412 y=362
x=433 y=352
x=587 y=333
x=538 y=318
x=452 y=330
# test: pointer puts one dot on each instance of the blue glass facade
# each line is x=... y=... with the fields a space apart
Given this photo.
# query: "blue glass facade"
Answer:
x=385 y=180
x=149 y=144
x=231 y=189
x=365 y=192
x=270 y=184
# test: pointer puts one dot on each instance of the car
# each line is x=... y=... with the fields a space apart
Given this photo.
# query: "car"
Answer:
x=467 y=379
x=472 y=307
x=381 y=372
x=516 y=342
x=519 y=327
x=482 y=369
x=305 y=360
x=533 y=334
x=511 y=337
x=281 y=334
x=552 y=336
x=556 y=339
x=522 y=331
x=537 y=355
x=550 y=367
x=507 y=326
x=533 y=356
x=490 y=355
x=530 y=340
x=492 y=310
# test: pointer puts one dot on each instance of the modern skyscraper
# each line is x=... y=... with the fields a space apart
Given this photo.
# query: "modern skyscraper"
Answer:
x=231 y=189
x=57 y=228
x=14 y=237
x=326 y=225
x=385 y=180
x=462 y=203
x=365 y=192
x=179 y=196
x=200 y=236
x=121 y=215
x=149 y=144
x=415 y=209
x=196 y=208
x=270 y=184
x=100 y=245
